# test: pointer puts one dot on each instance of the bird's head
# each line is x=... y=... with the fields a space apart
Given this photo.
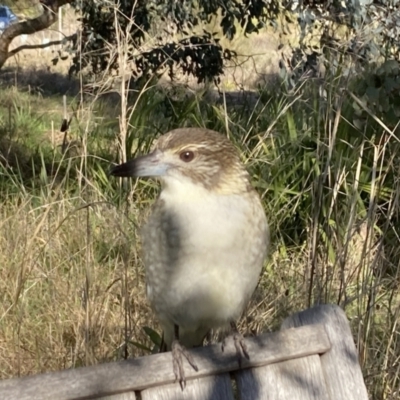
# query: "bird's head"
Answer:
x=191 y=156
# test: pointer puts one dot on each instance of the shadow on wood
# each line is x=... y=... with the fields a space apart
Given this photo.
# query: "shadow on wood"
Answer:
x=313 y=356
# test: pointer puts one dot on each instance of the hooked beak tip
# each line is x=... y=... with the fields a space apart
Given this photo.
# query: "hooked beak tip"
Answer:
x=149 y=165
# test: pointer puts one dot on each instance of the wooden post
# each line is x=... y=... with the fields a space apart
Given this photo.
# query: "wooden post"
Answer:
x=313 y=357
x=340 y=365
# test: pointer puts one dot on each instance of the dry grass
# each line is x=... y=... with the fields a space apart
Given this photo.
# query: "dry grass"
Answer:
x=72 y=285
x=70 y=295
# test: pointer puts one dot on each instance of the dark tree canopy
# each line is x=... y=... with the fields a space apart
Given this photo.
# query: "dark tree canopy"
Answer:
x=200 y=55
x=197 y=49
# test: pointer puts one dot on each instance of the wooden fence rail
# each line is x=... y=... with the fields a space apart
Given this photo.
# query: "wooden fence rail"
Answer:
x=313 y=357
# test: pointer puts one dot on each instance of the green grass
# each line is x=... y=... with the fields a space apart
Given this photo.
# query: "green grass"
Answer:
x=71 y=279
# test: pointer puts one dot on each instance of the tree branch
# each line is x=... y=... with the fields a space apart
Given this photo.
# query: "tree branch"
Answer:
x=43 y=21
x=40 y=46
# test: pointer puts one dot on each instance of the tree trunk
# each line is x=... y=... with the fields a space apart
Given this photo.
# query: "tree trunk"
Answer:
x=49 y=16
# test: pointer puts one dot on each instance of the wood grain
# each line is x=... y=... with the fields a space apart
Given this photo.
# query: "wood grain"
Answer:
x=120 y=396
x=298 y=379
x=340 y=365
x=146 y=372
x=216 y=387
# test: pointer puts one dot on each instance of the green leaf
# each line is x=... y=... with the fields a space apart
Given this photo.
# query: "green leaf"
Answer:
x=153 y=335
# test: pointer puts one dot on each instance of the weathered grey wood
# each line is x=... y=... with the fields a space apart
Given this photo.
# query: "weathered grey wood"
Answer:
x=340 y=365
x=120 y=396
x=145 y=372
x=298 y=379
x=216 y=387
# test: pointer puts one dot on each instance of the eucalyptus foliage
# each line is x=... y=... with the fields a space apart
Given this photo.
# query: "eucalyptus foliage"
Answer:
x=373 y=28
x=196 y=51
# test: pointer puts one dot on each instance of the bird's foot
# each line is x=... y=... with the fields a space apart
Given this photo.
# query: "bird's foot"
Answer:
x=177 y=352
x=239 y=343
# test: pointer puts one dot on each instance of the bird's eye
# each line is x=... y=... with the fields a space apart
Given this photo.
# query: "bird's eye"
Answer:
x=186 y=155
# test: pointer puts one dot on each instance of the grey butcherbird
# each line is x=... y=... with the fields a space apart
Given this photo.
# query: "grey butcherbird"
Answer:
x=206 y=239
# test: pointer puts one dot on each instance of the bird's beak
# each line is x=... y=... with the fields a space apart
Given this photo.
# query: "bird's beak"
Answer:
x=149 y=165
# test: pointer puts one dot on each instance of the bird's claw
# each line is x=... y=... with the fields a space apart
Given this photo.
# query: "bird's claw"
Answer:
x=240 y=346
x=177 y=351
